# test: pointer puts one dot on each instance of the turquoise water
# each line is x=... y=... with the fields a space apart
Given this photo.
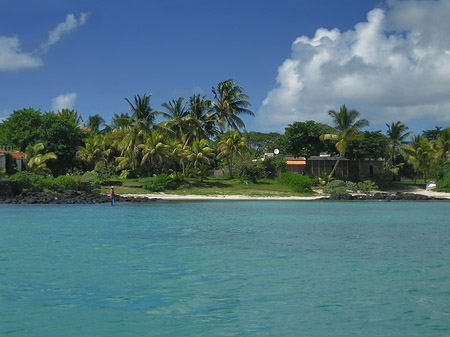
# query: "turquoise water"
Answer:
x=253 y=268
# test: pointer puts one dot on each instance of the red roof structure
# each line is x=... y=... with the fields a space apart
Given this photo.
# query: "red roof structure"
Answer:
x=15 y=154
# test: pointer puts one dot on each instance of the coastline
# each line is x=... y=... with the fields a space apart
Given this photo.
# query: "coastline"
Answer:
x=76 y=197
x=165 y=196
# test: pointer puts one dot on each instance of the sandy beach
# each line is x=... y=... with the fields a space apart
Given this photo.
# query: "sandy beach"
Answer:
x=165 y=196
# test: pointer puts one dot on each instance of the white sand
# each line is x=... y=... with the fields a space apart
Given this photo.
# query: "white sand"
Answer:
x=431 y=193
x=165 y=196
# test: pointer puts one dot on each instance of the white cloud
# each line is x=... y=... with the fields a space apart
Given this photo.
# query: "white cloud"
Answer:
x=65 y=101
x=64 y=28
x=13 y=58
x=395 y=66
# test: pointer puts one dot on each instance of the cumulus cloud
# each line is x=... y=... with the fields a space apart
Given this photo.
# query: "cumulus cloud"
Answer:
x=65 y=101
x=394 y=66
x=12 y=57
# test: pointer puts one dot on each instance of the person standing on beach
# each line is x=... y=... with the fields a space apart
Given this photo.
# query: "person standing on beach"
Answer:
x=112 y=195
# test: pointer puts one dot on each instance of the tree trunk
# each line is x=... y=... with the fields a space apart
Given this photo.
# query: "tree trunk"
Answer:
x=335 y=167
x=230 y=165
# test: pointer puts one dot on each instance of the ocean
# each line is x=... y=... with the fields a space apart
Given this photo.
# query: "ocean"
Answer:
x=226 y=268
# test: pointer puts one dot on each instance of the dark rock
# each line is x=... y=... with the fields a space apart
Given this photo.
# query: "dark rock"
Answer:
x=9 y=188
x=397 y=196
x=346 y=196
x=85 y=187
x=67 y=197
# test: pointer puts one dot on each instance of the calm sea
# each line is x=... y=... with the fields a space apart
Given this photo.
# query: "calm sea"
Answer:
x=226 y=268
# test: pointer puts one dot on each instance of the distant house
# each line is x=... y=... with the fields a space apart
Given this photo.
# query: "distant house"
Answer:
x=18 y=157
x=347 y=168
x=296 y=164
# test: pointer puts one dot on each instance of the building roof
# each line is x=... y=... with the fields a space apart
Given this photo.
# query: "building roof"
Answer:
x=15 y=154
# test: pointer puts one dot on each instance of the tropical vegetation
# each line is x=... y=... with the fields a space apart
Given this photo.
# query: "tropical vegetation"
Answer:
x=192 y=138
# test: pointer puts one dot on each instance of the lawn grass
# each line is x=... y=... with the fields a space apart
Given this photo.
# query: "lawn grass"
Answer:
x=213 y=186
x=406 y=184
x=226 y=186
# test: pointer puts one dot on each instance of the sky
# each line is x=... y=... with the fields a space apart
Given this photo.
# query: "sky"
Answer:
x=296 y=59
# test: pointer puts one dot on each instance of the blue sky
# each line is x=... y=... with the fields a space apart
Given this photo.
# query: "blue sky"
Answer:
x=296 y=59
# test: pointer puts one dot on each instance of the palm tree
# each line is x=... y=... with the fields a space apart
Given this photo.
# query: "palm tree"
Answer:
x=200 y=153
x=442 y=145
x=121 y=122
x=201 y=156
x=95 y=152
x=231 y=143
x=143 y=116
x=135 y=133
x=420 y=155
x=129 y=150
x=178 y=118
x=72 y=116
x=229 y=102
x=153 y=151
x=397 y=135
x=36 y=161
x=346 y=126
x=94 y=123
x=202 y=123
x=177 y=155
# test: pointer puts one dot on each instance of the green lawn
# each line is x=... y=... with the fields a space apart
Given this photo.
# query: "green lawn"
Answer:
x=406 y=184
x=226 y=186
x=214 y=186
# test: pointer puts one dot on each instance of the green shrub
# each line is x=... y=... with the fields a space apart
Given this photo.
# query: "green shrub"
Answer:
x=30 y=181
x=38 y=182
x=443 y=182
x=152 y=184
x=62 y=183
x=124 y=174
x=339 y=187
x=157 y=183
x=299 y=183
x=273 y=165
x=93 y=178
x=366 y=186
x=315 y=180
x=250 y=171
x=443 y=185
x=164 y=179
x=106 y=171
x=443 y=178
x=23 y=178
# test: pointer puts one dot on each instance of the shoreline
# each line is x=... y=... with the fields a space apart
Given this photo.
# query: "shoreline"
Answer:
x=76 y=197
x=165 y=196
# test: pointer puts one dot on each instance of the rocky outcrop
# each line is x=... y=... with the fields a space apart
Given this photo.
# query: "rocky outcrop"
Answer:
x=9 y=188
x=68 y=197
x=384 y=196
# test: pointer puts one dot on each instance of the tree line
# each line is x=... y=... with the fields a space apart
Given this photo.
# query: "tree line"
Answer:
x=192 y=135
x=199 y=134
